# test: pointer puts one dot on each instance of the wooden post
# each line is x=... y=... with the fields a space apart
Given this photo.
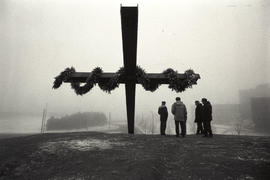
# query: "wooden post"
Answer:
x=144 y=123
x=42 y=121
x=153 y=123
x=86 y=124
x=109 y=120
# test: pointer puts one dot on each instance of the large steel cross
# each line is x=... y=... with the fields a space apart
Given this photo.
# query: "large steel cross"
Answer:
x=129 y=21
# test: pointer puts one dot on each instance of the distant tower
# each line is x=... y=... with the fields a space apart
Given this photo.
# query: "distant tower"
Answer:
x=43 y=122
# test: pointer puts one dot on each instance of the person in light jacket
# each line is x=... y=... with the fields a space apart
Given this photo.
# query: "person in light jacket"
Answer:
x=163 y=112
x=179 y=111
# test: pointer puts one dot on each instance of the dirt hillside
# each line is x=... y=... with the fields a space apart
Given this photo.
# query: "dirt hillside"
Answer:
x=91 y=155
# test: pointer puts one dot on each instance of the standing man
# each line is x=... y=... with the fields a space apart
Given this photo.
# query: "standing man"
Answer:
x=207 y=117
x=198 y=117
x=179 y=111
x=163 y=112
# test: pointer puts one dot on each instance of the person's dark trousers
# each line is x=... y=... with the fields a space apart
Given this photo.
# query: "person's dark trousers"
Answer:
x=183 y=128
x=210 y=129
x=199 y=128
x=177 y=127
x=162 y=127
x=207 y=128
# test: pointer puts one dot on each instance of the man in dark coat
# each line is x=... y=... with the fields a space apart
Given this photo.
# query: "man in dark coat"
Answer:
x=198 y=117
x=163 y=112
x=207 y=117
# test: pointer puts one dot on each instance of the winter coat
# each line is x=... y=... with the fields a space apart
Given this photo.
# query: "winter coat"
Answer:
x=199 y=113
x=207 y=112
x=179 y=111
x=163 y=112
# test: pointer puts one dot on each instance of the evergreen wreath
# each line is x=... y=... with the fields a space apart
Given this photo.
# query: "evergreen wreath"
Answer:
x=175 y=83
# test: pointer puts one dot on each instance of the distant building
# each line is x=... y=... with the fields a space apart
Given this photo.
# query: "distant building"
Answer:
x=260 y=109
x=254 y=104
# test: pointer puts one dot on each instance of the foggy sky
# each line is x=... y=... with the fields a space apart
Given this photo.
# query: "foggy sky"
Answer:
x=226 y=42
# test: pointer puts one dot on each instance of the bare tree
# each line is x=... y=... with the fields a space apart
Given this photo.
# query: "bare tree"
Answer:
x=238 y=126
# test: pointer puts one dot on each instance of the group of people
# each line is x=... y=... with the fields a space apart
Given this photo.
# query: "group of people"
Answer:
x=203 y=117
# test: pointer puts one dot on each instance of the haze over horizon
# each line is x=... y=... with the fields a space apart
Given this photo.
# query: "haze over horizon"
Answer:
x=226 y=42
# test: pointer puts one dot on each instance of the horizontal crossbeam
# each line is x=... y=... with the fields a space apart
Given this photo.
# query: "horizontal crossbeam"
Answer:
x=157 y=77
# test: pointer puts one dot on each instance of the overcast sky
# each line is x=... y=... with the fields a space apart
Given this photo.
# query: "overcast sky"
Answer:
x=226 y=42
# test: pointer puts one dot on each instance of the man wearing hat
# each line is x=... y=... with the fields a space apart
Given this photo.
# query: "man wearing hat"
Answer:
x=163 y=112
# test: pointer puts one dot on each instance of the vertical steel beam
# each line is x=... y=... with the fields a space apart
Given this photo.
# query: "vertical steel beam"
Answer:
x=129 y=21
